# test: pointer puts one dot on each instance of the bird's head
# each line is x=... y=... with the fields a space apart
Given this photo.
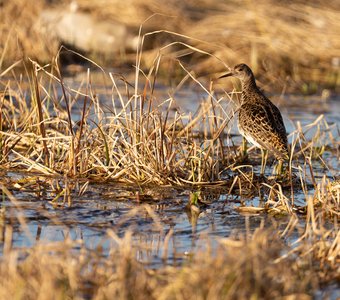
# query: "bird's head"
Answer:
x=240 y=71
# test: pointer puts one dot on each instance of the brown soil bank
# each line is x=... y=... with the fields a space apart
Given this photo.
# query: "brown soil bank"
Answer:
x=289 y=43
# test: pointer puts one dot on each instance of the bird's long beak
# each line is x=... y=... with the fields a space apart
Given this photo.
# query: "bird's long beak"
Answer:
x=226 y=75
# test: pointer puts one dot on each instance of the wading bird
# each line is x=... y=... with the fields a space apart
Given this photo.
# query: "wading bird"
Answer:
x=259 y=120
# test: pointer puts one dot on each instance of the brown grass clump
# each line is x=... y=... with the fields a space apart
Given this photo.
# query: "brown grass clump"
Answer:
x=327 y=197
x=136 y=139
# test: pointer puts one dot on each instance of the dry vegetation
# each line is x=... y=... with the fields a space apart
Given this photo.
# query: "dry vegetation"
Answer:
x=289 y=44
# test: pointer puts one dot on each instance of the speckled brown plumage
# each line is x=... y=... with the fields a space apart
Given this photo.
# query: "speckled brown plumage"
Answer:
x=260 y=121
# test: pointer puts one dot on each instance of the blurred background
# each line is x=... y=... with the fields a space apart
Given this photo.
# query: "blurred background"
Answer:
x=290 y=44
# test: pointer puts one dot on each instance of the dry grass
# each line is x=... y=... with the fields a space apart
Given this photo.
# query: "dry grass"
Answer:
x=267 y=39
x=141 y=139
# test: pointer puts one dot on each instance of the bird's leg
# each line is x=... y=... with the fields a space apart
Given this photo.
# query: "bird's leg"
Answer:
x=264 y=154
x=244 y=147
x=279 y=168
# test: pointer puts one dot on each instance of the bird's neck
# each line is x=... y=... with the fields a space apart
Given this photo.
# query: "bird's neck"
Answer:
x=249 y=87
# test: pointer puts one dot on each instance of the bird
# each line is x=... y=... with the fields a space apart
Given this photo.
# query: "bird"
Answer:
x=259 y=120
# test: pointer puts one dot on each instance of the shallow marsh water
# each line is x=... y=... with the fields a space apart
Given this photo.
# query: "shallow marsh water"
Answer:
x=153 y=214
x=116 y=207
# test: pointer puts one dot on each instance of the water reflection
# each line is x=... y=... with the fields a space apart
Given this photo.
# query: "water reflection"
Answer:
x=166 y=230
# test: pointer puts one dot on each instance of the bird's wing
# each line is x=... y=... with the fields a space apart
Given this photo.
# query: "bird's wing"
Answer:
x=277 y=118
x=259 y=122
